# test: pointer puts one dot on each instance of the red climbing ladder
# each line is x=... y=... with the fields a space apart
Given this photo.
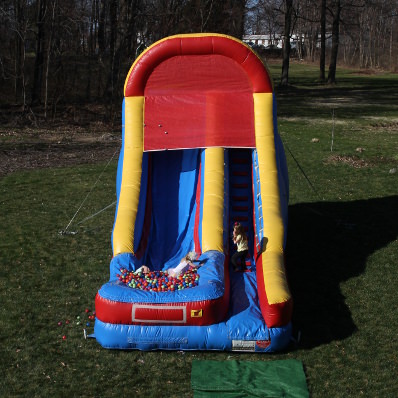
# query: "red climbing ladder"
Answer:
x=241 y=196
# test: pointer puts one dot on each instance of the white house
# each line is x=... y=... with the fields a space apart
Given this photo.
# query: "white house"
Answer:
x=263 y=40
x=277 y=40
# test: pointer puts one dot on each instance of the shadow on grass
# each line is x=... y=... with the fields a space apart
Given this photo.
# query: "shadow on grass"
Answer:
x=328 y=243
x=363 y=99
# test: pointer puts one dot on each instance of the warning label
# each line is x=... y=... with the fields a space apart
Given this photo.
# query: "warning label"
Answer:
x=243 y=345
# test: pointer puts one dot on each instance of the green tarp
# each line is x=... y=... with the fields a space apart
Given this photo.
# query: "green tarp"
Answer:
x=232 y=379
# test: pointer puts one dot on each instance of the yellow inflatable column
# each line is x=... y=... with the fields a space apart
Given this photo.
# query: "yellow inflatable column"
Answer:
x=213 y=200
x=275 y=282
x=123 y=232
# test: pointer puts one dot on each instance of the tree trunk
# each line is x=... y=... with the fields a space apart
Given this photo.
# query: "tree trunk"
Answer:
x=391 y=43
x=92 y=46
x=39 y=59
x=335 y=42
x=48 y=57
x=112 y=44
x=101 y=28
x=19 y=61
x=286 y=44
x=322 y=56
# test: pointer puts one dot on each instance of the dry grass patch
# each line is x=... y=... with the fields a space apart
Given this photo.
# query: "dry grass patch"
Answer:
x=315 y=121
x=358 y=163
x=352 y=161
x=386 y=124
x=28 y=148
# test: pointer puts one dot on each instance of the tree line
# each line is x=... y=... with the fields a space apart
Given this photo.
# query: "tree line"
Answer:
x=359 y=33
x=54 y=52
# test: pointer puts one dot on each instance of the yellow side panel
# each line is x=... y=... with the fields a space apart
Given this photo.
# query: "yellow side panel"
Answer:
x=213 y=200
x=272 y=259
x=123 y=232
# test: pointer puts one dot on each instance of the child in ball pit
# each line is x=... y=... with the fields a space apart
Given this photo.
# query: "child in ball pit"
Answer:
x=184 y=264
x=142 y=270
x=183 y=276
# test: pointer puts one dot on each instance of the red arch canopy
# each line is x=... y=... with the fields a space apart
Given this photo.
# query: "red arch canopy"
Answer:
x=198 y=92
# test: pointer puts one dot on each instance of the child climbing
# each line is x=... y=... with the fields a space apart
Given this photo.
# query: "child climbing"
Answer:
x=239 y=238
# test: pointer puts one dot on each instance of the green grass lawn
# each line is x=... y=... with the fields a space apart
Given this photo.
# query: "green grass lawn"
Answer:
x=342 y=258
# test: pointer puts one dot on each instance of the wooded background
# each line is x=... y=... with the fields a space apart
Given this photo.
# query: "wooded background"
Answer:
x=57 y=52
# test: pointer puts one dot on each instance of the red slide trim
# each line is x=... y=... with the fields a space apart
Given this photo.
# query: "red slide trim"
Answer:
x=196 y=236
x=274 y=315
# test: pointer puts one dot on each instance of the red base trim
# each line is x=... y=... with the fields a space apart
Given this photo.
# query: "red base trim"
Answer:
x=198 y=313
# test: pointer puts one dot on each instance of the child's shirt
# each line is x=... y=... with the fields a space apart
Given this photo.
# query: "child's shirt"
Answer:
x=241 y=243
x=182 y=267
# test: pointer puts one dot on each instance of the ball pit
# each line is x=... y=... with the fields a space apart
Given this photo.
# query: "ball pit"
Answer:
x=159 y=281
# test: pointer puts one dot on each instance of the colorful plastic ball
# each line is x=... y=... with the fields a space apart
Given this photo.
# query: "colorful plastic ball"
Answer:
x=159 y=281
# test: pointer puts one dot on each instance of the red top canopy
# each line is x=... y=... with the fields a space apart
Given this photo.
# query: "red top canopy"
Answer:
x=198 y=92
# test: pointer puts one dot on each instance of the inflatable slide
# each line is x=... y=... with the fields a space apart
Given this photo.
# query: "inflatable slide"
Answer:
x=200 y=152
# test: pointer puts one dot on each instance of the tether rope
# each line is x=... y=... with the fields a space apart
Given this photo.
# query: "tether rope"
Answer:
x=65 y=231
x=96 y=214
x=302 y=171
